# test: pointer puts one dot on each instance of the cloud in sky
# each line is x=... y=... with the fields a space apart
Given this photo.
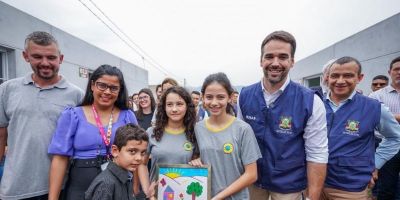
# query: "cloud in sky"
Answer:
x=192 y=39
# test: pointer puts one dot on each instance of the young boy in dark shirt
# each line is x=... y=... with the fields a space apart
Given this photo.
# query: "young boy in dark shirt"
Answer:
x=128 y=151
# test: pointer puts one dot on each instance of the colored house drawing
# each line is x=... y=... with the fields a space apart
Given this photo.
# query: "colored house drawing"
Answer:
x=168 y=194
x=183 y=182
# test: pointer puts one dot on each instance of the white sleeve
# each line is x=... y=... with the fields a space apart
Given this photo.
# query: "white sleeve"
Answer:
x=315 y=134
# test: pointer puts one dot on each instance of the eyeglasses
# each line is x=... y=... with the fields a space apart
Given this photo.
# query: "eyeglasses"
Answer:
x=103 y=87
x=143 y=97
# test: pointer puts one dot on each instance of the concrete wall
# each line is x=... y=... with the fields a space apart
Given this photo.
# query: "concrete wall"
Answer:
x=374 y=47
x=15 y=25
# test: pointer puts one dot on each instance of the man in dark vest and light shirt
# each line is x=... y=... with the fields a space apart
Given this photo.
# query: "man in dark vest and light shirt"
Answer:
x=289 y=122
x=352 y=119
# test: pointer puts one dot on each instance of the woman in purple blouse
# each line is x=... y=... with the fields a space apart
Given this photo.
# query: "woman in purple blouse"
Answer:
x=86 y=133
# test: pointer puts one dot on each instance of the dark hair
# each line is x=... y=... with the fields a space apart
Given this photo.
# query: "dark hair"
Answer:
x=235 y=92
x=129 y=132
x=122 y=100
x=170 y=81
x=40 y=38
x=223 y=80
x=189 y=120
x=139 y=113
x=134 y=94
x=158 y=86
x=195 y=92
x=281 y=36
x=381 y=77
x=394 y=61
x=348 y=59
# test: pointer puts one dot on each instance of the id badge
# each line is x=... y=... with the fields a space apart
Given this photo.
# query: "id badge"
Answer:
x=104 y=166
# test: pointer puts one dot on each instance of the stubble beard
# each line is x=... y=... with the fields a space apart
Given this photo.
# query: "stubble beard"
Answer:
x=275 y=81
x=48 y=76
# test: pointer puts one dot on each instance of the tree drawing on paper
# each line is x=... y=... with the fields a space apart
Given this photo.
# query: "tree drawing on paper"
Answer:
x=195 y=189
x=185 y=183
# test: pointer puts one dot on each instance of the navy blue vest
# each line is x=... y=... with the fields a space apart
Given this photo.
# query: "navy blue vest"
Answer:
x=351 y=143
x=279 y=131
x=200 y=115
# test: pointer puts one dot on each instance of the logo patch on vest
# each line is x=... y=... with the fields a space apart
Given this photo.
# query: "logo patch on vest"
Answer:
x=228 y=148
x=188 y=146
x=285 y=125
x=352 y=127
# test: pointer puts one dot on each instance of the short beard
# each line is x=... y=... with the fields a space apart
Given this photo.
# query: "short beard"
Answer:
x=39 y=75
x=274 y=82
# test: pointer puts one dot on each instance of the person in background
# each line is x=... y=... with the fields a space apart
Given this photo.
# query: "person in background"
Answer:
x=158 y=93
x=146 y=108
x=200 y=111
x=85 y=133
x=379 y=82
x=234 y=99
x=135 y=100
x=323 y=89
x=130 y=103
x=29 y=109
x=389 y=96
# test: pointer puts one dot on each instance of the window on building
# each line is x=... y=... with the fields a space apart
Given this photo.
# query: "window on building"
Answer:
x=313 y=81
x=90 y=72
x=3 y=65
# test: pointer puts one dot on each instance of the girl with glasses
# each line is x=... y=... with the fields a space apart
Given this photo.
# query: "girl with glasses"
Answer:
x=147 y=105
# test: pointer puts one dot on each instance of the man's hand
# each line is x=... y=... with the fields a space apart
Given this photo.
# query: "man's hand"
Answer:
x=373 y=179
x=316 y=173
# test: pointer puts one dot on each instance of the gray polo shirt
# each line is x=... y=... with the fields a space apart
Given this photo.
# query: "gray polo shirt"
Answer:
x=30 y=114
x=228 y=151
x=171 y=149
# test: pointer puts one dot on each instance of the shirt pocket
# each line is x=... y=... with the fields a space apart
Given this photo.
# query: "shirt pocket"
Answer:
x=53 y=110
x=361 y=161
x=283 y=165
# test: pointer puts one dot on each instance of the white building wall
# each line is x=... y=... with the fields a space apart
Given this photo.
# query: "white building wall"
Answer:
x=375 y=47
x=15 y=25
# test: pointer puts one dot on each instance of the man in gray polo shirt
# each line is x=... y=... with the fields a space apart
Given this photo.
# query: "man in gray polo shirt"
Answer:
x=29 y=109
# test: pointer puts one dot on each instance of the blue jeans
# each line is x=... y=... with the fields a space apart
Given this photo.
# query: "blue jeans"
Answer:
x=2 y=167
x=388 y=179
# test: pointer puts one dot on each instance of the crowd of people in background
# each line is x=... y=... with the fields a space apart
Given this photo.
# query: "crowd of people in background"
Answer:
x=274 y=139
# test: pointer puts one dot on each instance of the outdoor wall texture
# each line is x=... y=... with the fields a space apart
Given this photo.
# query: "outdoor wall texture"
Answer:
x=15 y=25
x=375 y=47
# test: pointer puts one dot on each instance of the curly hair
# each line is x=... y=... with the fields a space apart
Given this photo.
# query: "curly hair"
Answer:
x=189 y=120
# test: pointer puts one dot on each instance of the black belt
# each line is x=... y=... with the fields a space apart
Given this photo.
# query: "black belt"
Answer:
x=92 y=162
